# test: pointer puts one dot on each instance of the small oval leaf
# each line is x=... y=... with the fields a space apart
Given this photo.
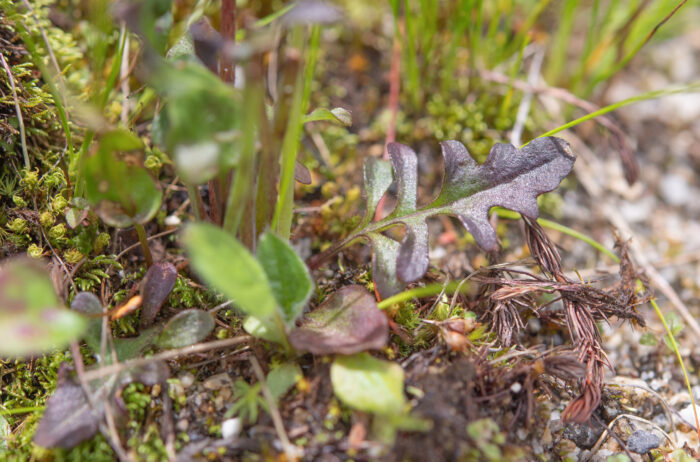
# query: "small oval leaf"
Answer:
x=348 y=322
x=185 y=329
x=227 y=266
x=287 y=274
x=369 y=384
x=156 y=286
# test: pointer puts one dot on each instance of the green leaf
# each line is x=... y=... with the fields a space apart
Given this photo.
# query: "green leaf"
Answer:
x=270 y=328
x=368 y=384
x=648 y=339
x=122 y=194
x=186 y=328
x=283 y=377
x=336 y=115
x=227 y=266
x=287 y=274
x=32 y=319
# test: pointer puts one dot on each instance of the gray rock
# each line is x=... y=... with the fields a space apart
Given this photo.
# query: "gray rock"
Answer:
x=585 y=436
x=642 y=441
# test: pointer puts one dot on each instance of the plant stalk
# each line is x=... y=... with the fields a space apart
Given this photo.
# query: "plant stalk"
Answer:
x=144 y=244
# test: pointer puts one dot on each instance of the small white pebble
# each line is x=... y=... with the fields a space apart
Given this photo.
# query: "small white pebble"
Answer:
x=688 y=415
x=172 y=220
x=182 y=425
x=231 y=428
x=186 y=380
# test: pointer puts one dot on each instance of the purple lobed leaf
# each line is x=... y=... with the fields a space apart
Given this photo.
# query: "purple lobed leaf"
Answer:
x=348 y=322
x=510 y=177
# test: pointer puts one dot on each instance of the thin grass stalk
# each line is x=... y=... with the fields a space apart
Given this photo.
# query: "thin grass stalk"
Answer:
x=660 y=314
x=562 y=37
x=38 y=61
x=144 y=244
x=459 y=23
x=506 y=103
x=411 y=56
x=242 y=189
x=587 y=46
x=628 y=57
x=689 y=88
x=77 y=164
x=282 y=220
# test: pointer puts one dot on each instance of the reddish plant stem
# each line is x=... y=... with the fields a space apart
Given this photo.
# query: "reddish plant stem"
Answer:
x=227 y=66
x=394 y=89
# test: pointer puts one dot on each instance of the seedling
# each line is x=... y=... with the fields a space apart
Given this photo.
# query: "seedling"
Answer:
x=509 y=178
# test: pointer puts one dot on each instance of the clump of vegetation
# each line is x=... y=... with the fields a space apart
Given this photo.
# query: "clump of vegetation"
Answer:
x=154 y=151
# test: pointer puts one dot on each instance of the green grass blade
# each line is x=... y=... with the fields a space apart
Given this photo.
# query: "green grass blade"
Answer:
x=689 y=88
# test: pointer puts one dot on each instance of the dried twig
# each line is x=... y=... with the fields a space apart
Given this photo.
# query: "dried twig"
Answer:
x=526 y=101
x=292 y=452
x=165 y=356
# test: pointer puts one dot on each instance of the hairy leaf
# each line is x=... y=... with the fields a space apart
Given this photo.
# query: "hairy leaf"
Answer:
x=348 y=322
x=511 y=178
x=338 y=115
x=369 y=384
x=156 y=286
x=225 y=264
x=185 y=329
x=32 y=318
x=287 y=274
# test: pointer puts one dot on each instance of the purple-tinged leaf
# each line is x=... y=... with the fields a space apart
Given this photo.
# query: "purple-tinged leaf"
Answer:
x=311 y=12
x=511 y=178
x=405 y=164
x=384 y=257
x=412 y=261
x=378 y=178
x=348 y=322
x=87 y=304
x=70 y=418
x=32 y=318
x=301 y=173
x=156 y=286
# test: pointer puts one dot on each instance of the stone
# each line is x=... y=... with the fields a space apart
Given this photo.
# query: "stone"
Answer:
x=231 y=428
x=186 y=380
x=688 y=415
x=585 y=436
x=642 y=441
x=218 y=381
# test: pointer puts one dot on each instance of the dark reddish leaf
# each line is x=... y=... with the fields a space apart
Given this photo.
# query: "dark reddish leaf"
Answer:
x=348 y=322
x=69 y=417
x=155 y=289
x=301 y=173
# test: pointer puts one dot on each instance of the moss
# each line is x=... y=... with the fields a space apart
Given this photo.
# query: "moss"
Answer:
x=26 y=385
x=34 y=251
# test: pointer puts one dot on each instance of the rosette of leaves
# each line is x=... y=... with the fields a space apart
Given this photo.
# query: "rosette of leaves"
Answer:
x=510 y=177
